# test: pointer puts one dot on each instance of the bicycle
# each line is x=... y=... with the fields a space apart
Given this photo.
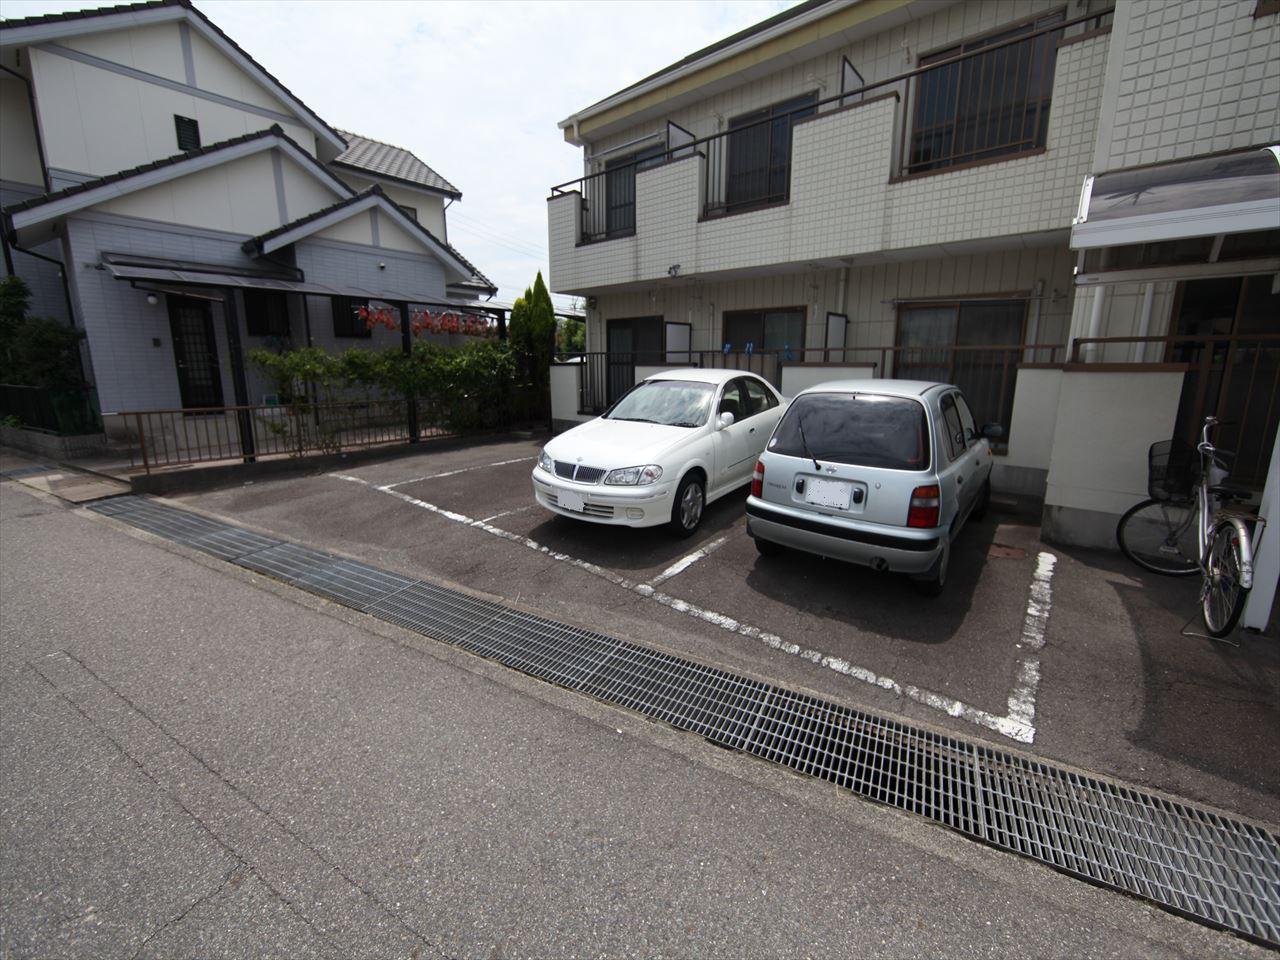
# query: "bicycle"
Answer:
x=1188 y=526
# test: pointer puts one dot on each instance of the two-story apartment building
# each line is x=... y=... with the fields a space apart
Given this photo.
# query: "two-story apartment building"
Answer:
x=890 y=188
x=170 y=197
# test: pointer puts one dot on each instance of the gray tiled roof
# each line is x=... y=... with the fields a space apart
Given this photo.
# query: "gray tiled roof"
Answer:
x=394 y=163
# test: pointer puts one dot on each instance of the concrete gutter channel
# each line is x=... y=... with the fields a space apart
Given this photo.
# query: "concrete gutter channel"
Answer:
x=1205 y=864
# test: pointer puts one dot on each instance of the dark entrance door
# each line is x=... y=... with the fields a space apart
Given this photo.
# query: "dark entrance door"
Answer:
x=1234 y=372
x=195 y=351
x=634 y=340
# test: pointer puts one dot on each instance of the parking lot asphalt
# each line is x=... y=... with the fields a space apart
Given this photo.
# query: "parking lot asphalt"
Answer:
x=201 y=762
x=1073 y=655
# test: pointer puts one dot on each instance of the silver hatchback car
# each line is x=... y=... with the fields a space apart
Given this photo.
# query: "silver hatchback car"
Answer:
x=882 y=473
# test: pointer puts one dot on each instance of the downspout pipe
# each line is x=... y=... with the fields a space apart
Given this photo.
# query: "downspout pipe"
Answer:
x=10 y=244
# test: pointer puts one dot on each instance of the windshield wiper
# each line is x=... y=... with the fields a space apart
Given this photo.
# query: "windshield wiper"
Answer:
x=684 y=423
x=634 y=419
x=804 y=444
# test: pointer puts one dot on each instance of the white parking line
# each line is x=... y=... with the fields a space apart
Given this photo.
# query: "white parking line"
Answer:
x=684 y=563
x=453 y=473
x=507 y=513
x=1017 y=725
x=1022 y=701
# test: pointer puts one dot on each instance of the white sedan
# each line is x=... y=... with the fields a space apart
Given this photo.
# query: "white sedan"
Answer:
x=675 y=442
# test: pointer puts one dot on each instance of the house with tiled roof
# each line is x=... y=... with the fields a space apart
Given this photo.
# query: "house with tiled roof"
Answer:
x=163 y=192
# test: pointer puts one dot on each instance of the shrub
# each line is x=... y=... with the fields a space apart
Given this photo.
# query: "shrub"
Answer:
x=35 y=351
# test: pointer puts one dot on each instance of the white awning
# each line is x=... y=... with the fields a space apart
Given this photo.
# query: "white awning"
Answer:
x=1211 y=196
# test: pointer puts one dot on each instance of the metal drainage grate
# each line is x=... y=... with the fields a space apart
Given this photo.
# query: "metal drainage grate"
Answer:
x=1214 y=869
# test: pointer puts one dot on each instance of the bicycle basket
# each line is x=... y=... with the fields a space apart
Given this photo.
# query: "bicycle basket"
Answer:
x=1171 y=470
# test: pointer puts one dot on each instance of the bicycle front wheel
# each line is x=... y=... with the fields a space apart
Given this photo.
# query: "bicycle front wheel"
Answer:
x=1222 y=599
x=1160 y=536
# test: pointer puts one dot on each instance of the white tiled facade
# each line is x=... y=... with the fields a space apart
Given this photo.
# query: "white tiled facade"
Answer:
x=845 y=202
x=1196 y=77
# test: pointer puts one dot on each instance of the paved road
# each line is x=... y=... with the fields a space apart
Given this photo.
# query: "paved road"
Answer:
x=200 y=762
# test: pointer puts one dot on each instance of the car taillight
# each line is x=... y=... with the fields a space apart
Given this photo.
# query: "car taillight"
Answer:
x=924 y=506
x=757 y=480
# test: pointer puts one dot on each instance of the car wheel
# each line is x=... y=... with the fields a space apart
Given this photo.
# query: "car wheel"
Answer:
x=932 y=583
x=984 y=501
x=767 y=548
x=686 y=511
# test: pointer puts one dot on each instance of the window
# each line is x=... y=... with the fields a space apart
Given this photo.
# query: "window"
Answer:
x=188 y=131
x=410 y=212
x=966 y=419
x=989 y=105
x=863 y=430
x=758 y=170
x=952 y=427
x=620 y=188
x=781 y=329
x=346 y=323
x=266 y=313
x=759 y=397
x=734 y=400
x=966 y=343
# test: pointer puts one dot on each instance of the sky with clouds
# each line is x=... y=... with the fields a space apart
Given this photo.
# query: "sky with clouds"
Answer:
x=474 y=88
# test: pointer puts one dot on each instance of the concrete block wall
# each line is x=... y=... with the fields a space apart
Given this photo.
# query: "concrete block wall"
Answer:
x=1189 y=78
x=1098 y=467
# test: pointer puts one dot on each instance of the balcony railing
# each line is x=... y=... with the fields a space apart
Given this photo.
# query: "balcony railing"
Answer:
x=995 y=120
x=987 y=373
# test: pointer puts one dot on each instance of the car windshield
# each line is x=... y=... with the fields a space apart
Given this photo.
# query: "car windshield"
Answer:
x=861 y=429
x=674 y=403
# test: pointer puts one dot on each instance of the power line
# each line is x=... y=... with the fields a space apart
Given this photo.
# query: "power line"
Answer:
x=489 y=227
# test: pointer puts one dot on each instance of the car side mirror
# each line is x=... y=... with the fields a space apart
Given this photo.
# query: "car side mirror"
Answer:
x=992 y=431
x=724 y=420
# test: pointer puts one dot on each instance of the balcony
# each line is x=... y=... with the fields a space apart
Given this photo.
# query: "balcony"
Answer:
x=987 y=141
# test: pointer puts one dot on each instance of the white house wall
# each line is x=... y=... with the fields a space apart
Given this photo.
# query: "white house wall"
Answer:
x=19 y=151
x=95 y=121
x=844 y=201
x=1187 y=79
x=429 y=207
x=159 y=49
x=239 y=196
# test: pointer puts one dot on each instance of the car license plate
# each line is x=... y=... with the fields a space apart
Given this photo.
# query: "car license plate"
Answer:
x=570 y=501
x=828 y=493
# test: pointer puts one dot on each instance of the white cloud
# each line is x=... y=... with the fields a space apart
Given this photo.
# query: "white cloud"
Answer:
x=473 y=88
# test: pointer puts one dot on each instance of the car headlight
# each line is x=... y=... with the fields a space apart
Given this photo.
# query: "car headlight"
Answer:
x=635 y=476
x=544 y=461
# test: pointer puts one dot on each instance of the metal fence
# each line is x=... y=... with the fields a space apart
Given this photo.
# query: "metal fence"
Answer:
x=987 y=373
x=166 y=438
x=65 y=411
